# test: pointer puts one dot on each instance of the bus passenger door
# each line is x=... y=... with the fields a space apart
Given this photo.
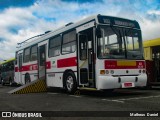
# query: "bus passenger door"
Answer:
x=42 y=61
x=86 y=58
x=83 y=58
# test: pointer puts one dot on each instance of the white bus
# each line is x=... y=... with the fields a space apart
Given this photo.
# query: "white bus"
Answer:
x=99 y=52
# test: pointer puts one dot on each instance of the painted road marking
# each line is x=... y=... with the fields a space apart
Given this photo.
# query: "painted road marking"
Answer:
x=75 y=96
x=118 y=101
x=123 y=100
x=113 y=100
x=140 y=98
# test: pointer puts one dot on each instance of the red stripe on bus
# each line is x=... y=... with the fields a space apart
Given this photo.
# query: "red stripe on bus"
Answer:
x=67 y=62
x=32 y=67
x=111 y=64
x=48 y=65
x=16 y=69
x=27 y=68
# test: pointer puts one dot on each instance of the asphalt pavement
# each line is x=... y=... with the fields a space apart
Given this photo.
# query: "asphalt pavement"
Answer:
x=91 y=104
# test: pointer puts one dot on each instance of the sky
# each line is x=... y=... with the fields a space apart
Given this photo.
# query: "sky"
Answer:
x=22 y=19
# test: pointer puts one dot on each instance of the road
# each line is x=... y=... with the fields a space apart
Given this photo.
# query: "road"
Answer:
x=57 y=100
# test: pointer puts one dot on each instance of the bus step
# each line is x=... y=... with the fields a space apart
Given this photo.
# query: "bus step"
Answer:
x=87 y=88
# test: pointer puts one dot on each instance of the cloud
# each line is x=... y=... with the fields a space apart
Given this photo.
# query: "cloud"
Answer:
x=156 y=12
x=150 y=30
x=20 y=23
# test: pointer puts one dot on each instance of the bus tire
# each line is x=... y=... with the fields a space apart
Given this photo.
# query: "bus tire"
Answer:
x=27 y=78
x=70 y=83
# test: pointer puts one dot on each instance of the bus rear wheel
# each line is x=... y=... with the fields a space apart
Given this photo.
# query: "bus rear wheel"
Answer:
x=70 y=82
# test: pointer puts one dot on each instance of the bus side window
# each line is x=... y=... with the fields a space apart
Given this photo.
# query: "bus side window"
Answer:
x=69 y=42
x=8 y=67
x=12 y=66
x=54 y=46
x=34 y=53
x=26 y=55
x=20 y=60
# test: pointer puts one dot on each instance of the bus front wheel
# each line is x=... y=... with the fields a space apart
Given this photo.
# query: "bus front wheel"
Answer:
x=70 y=82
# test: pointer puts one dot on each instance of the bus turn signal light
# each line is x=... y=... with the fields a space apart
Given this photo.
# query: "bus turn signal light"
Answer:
x=102 y=72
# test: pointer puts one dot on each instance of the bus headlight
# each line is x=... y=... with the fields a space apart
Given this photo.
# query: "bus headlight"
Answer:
x=107 y=71
x=144 y=71
x=112 y=71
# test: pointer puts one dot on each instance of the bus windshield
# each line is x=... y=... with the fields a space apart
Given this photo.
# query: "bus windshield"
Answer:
x=119 y=43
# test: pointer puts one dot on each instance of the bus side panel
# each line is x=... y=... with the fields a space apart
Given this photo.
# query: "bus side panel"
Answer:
x=58 y=65
x=16 y=75
x=30 y=68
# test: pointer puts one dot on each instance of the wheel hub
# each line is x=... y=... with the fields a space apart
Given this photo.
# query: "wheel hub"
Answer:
x=69 y=83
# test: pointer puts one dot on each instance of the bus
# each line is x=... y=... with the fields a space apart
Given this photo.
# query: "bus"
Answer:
x=7 y=72
x=152 y=57
x=99 y=52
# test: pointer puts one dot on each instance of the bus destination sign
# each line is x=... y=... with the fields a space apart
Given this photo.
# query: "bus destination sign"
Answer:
x=106 y=21
x=117 y=21
x=124 y=23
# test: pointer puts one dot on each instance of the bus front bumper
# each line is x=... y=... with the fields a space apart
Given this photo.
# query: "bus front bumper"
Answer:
x=110 y=82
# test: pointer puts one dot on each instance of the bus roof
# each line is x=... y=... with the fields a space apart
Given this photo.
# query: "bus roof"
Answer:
x=9 y=60
x=97 y=18
x=150 y=43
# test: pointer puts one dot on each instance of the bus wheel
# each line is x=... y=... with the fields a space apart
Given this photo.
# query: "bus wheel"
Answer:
x=70 y=82
x=27 y=78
